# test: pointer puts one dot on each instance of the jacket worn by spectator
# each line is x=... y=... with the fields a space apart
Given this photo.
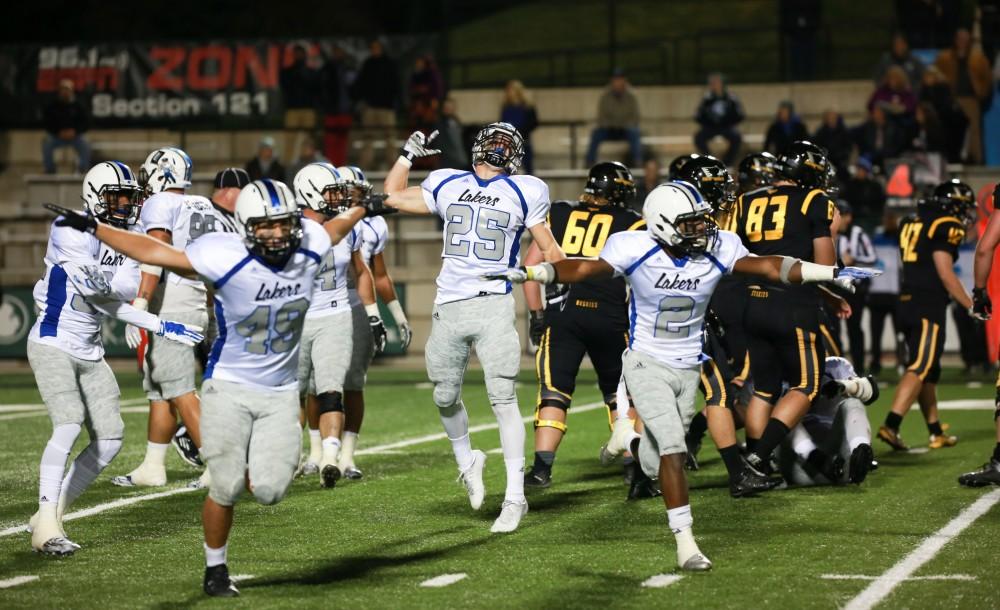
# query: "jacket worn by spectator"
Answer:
x=979 y=75
x=836 y=139
x=299 y=85
x=780 y=135
x=618 y=111
x=377 y=84
x=60 y=115
x=273 y=170
x=722 y=111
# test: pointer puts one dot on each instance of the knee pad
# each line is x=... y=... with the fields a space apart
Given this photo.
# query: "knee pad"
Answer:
x=330 y=402
x=107 y=449
x=500 y=390
x=447 y=395
x=548 y=423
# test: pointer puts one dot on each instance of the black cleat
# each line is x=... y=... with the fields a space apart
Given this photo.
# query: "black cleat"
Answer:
x=329 y=476
x=627 y=472
x=643 y=488
x=218 y=583
x=833 y=469
x=750 y=483
x=540 y=479
x=989 y=474
x=691 y=461
x=861 y=462
x=185 y=448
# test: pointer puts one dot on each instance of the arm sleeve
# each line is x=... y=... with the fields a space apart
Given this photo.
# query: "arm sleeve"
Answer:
x=125 y=283
x=130 y=315
x=616 y=253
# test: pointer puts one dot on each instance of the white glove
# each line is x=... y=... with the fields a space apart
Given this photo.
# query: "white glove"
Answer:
x=185 y=334
x=133 y=334
x=544 y=273
x=416 y=145
x=405 y=332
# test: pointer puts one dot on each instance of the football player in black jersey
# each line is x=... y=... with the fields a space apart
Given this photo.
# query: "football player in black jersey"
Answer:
x=725 y=344
x=757 y=170
x=790 y=218
x=928 y=248
x=589 y=318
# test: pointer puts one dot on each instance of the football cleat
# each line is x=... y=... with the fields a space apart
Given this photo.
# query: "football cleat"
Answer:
x=309 y=468
x=184 y=445
x=833 y=468
x=472 y=478
x=989 y=474
x=141 y=477
x=938 y=441
x=58 y=546
x=353 y=473
x=696 y=563
x=329 y=476
x=627 y=470
x=641 y=486
x=538 y=478
x=202 y=482
x=218 y=583
x=750 y=483
x=860 y=464
x=691 y=461
x=510 y=517
x=621 y=434
x=892 y=438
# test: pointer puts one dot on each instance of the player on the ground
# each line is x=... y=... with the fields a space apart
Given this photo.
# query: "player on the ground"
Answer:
x=672 y=269
x=590 y=318
x=84 y=281
x=982 y=309
x=174 y=217
x=262 y=280
x=928 y=247
x=485 y=212
x=326 y=350
x=834 y=433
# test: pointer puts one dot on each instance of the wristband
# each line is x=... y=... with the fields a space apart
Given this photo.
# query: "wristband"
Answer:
x=151 y=269
x=397 y=312
x=544 y=273
x=811 y=272
x=372 y=310
x=787 y=262
x=140 y=303
x=404 y=159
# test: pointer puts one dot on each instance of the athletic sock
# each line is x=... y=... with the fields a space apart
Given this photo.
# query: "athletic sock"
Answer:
x=456 y=426
x=315 y=446
x=156 y=455
x=681 y=522
x=331 y=450
x=215 y=557
x=512 y=443
x=996 y=453
x=774 y=433
x=544 y=461
x=935 y=428
x=752 y=444
x=350 y=441
x=696 y=432
x=53 y=463
x=731 y=458
x=893 y=421
x=85 y=468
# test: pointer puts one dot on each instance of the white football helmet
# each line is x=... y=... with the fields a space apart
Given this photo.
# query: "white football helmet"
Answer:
x=264 y=201
x=837 y=369
x=678 y=217
x=318 y=186
x=104 y=186
x=354 y=179
x=165 y=168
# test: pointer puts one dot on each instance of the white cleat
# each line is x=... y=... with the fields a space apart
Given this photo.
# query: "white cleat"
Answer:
x=510 y=517
x=309 y=469
x=621 y=434
x=142 y=477
x=202 y=482
x=57 y=547
x=695 y=563
x=47 y=536
x=472 y=478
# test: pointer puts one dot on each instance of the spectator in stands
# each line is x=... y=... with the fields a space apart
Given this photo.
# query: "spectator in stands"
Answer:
x=927 y=134
x=786 y=128
x=617 y=119
x=650 y=180
x=865 y=194
x=834 y=136
x=895 y=96
x=308 y=153
x=299 y=87
x=336 y=105
x=265 y=164
x=899 y=55
x=377 y=88
x=718 y=114
x=450 y=140
x=936 y=90
x=883 y=291
x=518 y=110
x=65 y=121
x=968 y=71
x=425 y=93
x=879 y=138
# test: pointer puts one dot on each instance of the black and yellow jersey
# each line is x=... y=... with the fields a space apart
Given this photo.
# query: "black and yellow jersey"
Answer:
x=581 y=230
x=920 y=235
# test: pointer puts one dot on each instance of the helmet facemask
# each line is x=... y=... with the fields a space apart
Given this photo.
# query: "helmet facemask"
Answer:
x=117 y=205
x=274 y=238
x=499 y=145
x=693 y=233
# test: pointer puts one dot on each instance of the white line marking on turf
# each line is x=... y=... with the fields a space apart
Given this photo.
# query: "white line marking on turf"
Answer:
x=865 y=577
x=241 y=577
x=100 y=508
x=497 y=450
x=918 y=450
x=419 y=440
x=973 y=404
x=17 y=580
x=661 y=580
x=444 y=580
x=884 y=584
x=43 y=411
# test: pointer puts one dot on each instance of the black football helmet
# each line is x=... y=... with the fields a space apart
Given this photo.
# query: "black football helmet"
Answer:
x=954 y=198
x=711 y=177
x=612 y=181
x=804 y=163
x=499 y=145
x=674 y=170
x=831 y=186
x=757 y=170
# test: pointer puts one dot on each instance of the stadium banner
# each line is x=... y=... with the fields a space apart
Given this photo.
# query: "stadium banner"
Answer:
x=18 y=314
x=213 y=85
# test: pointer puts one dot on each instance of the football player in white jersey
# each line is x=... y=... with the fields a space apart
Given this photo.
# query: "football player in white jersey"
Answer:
x=485 y=212
x=84 y=281
x=327 y=338
x=263 y=281
x=374 y=233
x=672 y=269
x=174 y=217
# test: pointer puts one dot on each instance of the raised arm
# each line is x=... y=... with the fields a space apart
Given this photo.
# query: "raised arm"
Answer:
x=409 y=200
x=340 y=226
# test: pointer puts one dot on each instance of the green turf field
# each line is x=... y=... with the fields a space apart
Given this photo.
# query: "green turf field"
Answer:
x=371 y=544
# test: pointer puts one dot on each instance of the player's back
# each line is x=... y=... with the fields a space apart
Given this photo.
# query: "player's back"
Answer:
x=330 y=289
x=260 y=309
x=483 y=224
x=581 y=230
x=372 y=235
x=920 y=235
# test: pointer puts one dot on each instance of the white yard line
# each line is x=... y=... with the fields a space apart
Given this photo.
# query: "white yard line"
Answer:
x=17 y=580
x=242 y=577
x=881 y=587
x=661 y=580
x=966 y=577
x=971 y=404
x=128 y=406
x=444 y=580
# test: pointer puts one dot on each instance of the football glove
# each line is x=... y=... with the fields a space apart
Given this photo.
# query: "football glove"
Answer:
x=847 y=276
x=416 y=146
x=405 y=334
x=982 y=307
x=70 y=218
x=378 y=333
x=185 y=334
x=375 y=206
x=544 y=273
x=864 y=389
x=134 y=336
x=536 y=326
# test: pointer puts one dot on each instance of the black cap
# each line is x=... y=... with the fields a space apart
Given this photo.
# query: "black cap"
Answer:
x=232 y=177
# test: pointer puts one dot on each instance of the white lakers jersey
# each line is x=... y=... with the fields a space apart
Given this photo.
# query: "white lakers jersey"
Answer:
x=483 y=224
x=373 y=233
x=330 y=289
